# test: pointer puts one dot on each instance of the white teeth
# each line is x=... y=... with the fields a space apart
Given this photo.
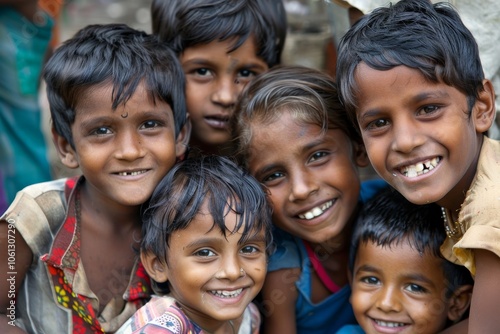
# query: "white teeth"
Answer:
x=226 y=294
x=389 y=324
x=420 y=168
x=132 y=173
x=315 y=212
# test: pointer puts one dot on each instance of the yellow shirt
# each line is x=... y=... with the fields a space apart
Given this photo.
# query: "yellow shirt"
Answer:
x=479 y=217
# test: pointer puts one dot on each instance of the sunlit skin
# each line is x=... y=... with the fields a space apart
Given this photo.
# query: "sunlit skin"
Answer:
x=398 y=290
x=214 y=79
x=201 y=261
x=406 y=120
x=304 y=168
x=123 y=153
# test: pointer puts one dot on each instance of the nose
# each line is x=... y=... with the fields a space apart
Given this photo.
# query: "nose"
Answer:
x=129 y=146
x=231 y=269
x=389 y=300
x=406 y=137
x=226 y=91
x=303 y=184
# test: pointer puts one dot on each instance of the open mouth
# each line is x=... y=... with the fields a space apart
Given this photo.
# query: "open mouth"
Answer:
x=132 y=173
x=317 y=211
x=420 y=168
x=389 y=324
x=226 y=294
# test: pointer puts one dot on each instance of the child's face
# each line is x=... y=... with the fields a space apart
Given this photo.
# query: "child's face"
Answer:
x=398 y=290
x=418 y=134
x=214 y=79
x=312 y=177
x=123 y=153
x=214 y=277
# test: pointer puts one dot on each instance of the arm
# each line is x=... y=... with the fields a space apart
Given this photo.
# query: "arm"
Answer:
x=483 y=318
x=279 y=295
x=15 y=260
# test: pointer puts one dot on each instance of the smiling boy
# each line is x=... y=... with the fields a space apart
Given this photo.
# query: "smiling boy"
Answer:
x=410 y=76
x=118 y=111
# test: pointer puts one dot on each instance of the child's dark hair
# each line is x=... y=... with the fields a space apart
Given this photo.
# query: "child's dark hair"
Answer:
x=390 y=219
x=427 y=37
x=309 y=94
x=112 y=54
x=212 y=180
x=185 y=23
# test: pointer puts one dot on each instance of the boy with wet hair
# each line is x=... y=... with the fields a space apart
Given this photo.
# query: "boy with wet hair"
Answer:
x=410 y=76
x=222 y=45
x=400 y=280
x=117 y=103
x=207 y=232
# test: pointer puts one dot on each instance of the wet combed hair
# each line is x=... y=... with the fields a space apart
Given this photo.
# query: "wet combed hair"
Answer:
x=214 y=180
x=389 y=219
x=413 y=33
x=186 y=23
x=308 y=94
x=114 y=54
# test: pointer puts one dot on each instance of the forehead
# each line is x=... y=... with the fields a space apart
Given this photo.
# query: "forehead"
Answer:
x=218 y=51
x=400 y=261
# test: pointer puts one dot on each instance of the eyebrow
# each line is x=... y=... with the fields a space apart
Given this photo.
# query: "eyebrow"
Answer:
x=267 y=168
x=211 y=240
x=414 y=277
x=415 y=99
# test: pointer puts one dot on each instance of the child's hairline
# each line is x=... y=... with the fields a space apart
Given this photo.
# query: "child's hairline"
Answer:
x=204 y=210
x=352 y=107
x=235 y=43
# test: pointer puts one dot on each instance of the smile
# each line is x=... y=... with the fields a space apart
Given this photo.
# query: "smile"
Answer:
x=317 y=211
x=420 y=168
x=227 y=294
x=389 y=324
x=132 y=173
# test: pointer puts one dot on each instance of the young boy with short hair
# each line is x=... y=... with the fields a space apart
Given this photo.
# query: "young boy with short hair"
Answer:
x=222 y=45
x=400 y=281
x=117 y=103
x=207 y=232
x=411 y=77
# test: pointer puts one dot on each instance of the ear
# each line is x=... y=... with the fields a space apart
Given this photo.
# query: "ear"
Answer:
x=359 y=154
x=66 y=153
x=484 y=109
x=459 y=302
x=182 y=140
x=156 y=269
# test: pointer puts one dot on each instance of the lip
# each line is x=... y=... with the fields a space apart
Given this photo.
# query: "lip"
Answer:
x=218 y=121
x=418 y=168
x=388 y=330
x=132 y=174
x=315 y=213
x=228 y=300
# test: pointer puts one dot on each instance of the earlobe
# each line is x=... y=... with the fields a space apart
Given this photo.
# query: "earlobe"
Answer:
x=484 y=109
x=460 y=302
x=64 y=150
x=359 y=155
x=154 y=267
x=182 y=140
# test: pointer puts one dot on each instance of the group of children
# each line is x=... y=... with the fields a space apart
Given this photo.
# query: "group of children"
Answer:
x=285 y=238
